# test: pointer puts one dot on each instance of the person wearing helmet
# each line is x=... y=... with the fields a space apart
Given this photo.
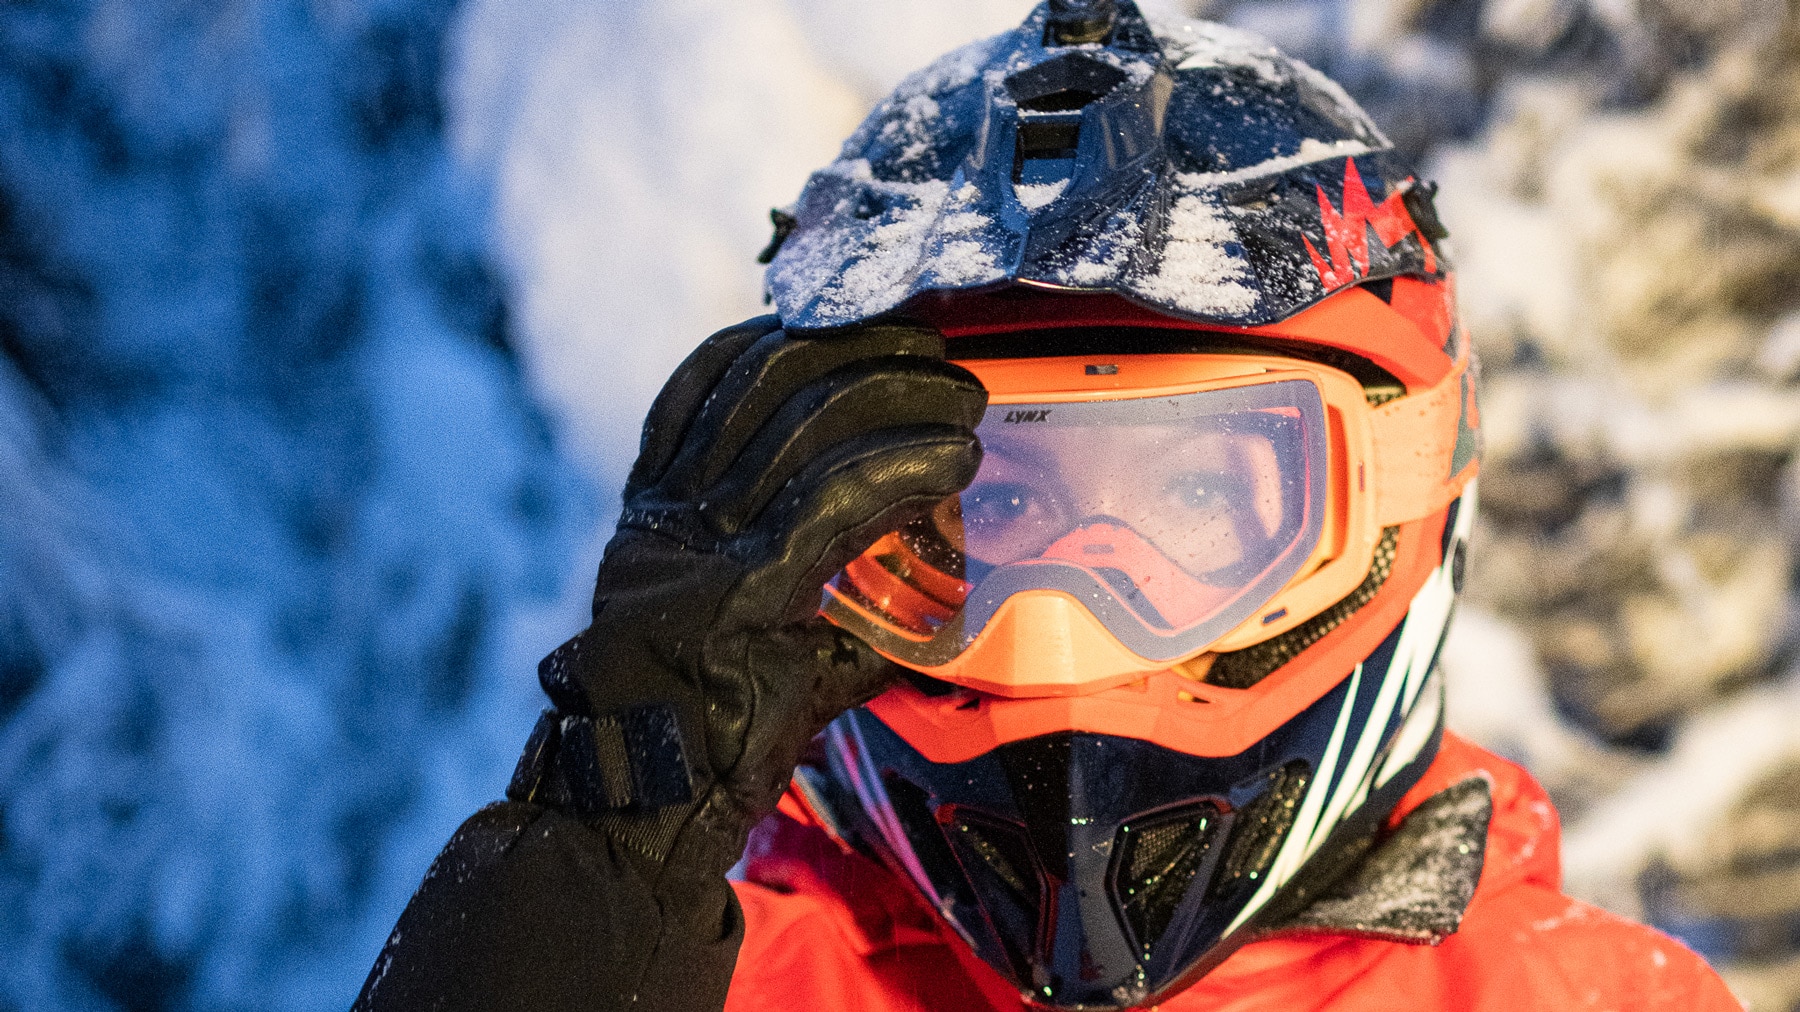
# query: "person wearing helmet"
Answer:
x=1050 y=593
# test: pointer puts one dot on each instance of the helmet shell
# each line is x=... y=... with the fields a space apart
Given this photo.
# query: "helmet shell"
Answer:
x=1187 y=166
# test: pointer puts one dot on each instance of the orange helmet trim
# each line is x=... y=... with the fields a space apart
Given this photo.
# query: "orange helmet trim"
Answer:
x=1413 y=335
x=1415 y=442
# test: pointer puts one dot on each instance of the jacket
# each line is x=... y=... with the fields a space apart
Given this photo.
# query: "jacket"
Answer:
x=827 y=927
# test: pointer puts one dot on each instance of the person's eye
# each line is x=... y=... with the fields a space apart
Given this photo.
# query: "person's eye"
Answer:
x=997 y=503
x=1197 y=491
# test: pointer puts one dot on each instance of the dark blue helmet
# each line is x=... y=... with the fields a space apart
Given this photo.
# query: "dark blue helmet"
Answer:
x=1187 y=166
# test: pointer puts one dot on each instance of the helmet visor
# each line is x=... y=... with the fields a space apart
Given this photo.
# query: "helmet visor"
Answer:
x=1171 y=518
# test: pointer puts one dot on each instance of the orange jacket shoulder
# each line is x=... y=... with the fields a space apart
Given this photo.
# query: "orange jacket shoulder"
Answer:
x=831 y=928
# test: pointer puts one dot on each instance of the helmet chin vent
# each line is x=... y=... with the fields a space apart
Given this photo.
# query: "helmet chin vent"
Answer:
x=1155 y=860
x=993 y=852
x=1003 y=850
x=1260 y=827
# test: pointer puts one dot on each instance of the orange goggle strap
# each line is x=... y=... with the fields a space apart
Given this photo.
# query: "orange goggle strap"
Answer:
x=1424 y=446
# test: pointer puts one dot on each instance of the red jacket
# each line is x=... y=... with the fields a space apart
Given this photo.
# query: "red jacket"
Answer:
x=826 y=929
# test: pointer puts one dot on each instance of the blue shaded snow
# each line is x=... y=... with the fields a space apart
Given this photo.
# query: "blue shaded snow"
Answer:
x=271 y=496
x=274 y=501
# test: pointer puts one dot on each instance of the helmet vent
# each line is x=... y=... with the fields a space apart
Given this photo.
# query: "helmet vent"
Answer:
x=1065 y=83
x=1002 y=851
x=1260 y=827
x=997 y=858
x=1046 y=150
x=1081 y=22
x=1155 y=862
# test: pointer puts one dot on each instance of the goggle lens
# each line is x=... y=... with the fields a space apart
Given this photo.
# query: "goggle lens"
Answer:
x=1171 y=518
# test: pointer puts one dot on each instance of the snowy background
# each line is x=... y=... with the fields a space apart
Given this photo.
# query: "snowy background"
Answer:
x=325 y=330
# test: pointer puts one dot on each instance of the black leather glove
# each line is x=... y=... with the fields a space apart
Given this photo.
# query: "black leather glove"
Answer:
x=767 y=463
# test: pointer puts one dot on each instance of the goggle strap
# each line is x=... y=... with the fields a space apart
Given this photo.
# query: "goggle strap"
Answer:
x=1413 y=465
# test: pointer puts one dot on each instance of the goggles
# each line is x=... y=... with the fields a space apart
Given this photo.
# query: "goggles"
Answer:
x=1132 y=514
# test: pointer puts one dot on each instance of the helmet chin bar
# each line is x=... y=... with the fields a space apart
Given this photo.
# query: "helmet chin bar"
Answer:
x=1101 y=872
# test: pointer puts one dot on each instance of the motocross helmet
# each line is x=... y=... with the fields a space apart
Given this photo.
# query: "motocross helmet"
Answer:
x=1172 y=655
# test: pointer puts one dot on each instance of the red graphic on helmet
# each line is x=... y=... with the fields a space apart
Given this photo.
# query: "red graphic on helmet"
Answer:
x=1347 y=233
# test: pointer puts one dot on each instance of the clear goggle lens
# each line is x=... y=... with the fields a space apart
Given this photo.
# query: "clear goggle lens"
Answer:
x=1171 y=518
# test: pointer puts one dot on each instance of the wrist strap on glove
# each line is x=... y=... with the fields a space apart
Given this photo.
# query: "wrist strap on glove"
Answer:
x=587 y=764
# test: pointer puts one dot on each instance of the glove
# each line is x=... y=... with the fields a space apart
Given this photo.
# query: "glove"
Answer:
x=768 y=462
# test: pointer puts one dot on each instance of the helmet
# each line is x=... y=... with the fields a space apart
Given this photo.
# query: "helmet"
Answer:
x=1172 y=656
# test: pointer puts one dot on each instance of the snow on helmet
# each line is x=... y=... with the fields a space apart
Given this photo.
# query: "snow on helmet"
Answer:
x=1174 y=651
x=1181 y=164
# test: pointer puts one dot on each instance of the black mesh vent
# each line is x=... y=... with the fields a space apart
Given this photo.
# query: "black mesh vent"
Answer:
x=997 y=859
x=1154 y=863
x=1002 y=849
x=1241 y=669
x=1259 y=829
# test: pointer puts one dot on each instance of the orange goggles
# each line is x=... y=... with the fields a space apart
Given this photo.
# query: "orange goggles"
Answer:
x=1130 y=514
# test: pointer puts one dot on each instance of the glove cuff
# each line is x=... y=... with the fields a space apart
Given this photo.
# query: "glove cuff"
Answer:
x=625 y=774
x=587 y=763
x=589 y=766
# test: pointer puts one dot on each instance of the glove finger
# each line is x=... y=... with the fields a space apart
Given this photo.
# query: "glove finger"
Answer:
x=839 y=504
x=861 y=397
x=761 y=381
x=684 y=393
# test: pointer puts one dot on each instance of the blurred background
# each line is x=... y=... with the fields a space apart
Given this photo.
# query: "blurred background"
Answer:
x=326 y=328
